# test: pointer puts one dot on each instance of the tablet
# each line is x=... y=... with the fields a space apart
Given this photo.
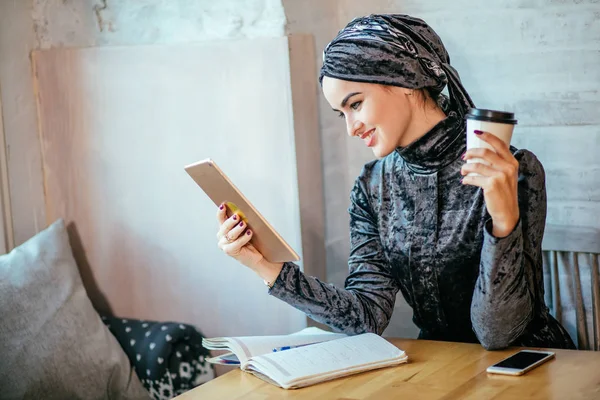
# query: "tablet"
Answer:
x=219 y=188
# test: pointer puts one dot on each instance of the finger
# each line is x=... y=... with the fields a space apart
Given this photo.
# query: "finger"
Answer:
x=221 y=214
x=480 y=168
x=236 y=246
x=475 y=180
x=488 y=183
x=489 y=156
x=511 y=166
x=236 y=231
x=228 y=225
x=498 y=144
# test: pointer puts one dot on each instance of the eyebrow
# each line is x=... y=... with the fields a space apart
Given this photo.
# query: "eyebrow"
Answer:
x=347 y=98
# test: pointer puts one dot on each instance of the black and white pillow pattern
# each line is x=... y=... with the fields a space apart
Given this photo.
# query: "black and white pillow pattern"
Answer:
x=168 y=357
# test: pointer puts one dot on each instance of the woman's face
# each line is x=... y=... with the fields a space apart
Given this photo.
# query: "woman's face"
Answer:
x=380 y=116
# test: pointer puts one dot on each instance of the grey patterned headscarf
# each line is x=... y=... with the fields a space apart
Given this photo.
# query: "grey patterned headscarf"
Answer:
x=396 y=50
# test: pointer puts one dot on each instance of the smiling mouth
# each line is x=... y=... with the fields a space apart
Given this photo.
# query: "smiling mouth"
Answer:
x=367 y=134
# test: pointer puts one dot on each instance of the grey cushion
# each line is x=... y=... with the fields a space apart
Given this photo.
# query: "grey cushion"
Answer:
x=53 y=344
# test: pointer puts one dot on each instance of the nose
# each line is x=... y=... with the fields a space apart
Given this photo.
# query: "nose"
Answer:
x=353 y=127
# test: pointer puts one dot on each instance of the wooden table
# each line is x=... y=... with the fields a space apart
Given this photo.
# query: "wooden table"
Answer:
x=436 y=370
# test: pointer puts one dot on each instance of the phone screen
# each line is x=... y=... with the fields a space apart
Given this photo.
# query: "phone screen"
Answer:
x=521 y=360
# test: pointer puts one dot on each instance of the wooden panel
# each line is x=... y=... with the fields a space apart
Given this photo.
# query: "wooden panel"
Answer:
x=569 y=155
x=570 y=70
x=352 y=8
x=561 y=145
x=117 y=127
x=546 y=109
x=553 y=87
x=536 y=28
x=6 y=230
x=24 y=161
x=308 y=149
x=574 y=213
x=571 y=238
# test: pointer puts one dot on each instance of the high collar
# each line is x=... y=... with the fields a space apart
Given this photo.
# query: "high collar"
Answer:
x=439 y=147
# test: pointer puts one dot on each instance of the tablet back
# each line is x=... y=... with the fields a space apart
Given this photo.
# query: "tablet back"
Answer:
x=219 y=188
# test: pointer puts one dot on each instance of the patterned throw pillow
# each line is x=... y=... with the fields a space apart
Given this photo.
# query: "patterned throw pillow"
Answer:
x=167 y=356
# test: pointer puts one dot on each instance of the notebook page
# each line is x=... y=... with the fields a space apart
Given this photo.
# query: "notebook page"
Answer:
x=265 y=344
x=326 y=358
x=218 y=343
x=313 y=379
x=309 y=380
x=248 y=346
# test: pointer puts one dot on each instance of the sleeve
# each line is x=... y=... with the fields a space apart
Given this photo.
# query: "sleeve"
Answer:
x=510 y=267
x=367 y=301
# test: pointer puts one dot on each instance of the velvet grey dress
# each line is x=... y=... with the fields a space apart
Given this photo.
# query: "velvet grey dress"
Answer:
x=415 y=228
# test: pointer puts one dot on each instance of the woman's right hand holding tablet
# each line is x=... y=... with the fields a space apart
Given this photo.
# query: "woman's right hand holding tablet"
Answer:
x=234 y=239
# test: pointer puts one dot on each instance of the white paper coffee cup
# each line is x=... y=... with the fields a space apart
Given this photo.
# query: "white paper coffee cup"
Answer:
x=499 y=123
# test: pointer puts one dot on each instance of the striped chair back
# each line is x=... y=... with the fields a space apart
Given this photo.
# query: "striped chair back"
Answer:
x=572 y=283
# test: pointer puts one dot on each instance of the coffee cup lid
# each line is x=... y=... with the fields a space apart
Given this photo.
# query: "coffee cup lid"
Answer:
x=501 y=117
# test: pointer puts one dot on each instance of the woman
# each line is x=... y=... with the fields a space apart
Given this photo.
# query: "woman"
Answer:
x=464 y=250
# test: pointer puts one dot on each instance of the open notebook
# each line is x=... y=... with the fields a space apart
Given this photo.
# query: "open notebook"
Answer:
x=306 y=357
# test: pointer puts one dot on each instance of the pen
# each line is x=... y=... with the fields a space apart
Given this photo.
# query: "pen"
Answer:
x=229 y=359
x=276 y=349
x=226 y=361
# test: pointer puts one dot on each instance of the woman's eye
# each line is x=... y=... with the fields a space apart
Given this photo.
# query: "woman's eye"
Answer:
x=355 y=105
x=341 y=115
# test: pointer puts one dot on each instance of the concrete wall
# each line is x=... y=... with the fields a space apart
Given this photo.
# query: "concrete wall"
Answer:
x=75 y=23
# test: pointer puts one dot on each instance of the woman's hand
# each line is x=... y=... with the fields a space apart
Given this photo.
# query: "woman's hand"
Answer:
x=234 y=239
x=498 y=181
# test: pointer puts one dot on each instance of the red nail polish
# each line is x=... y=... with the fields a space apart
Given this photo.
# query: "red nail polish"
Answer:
x=461 y=180
x=242 y=223
x=235 y=217
x=221 y=207
x=249 y=233
x=478 y=132
x=463 y=156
